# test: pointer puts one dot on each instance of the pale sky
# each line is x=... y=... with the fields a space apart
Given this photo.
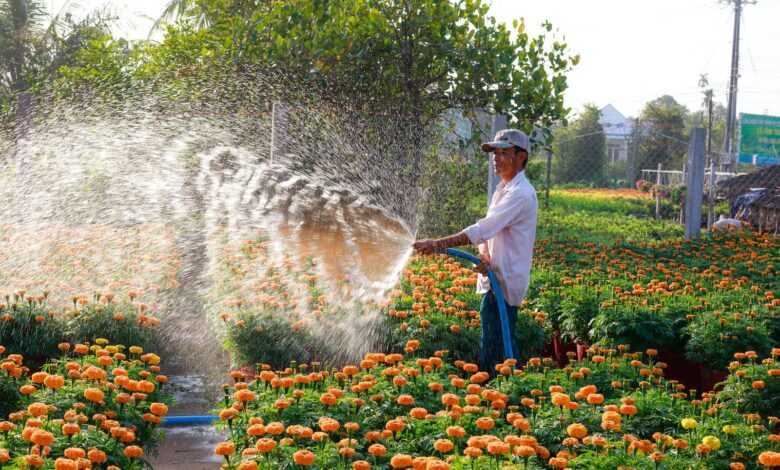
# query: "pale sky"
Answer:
x=632 y=51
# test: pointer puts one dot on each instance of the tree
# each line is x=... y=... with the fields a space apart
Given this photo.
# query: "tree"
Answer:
x=580 y=149
x=660 y=135
x=32 y=49
x=418 y=56
x=701 y=118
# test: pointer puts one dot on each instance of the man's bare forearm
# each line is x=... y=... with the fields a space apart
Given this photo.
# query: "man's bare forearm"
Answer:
x=453 y=240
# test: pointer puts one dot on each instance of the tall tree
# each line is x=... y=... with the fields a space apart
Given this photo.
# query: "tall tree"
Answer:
x=580 y=150
x=20 y=23
x=661 y=135
x=33 y=46
x=420 y=56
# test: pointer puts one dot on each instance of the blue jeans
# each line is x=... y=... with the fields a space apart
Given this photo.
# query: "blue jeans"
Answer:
x=491 y=347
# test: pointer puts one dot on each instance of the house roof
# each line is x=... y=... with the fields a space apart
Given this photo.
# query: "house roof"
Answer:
x=614 y=123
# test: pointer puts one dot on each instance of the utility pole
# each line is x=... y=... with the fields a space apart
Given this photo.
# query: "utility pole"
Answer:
x=731 y=115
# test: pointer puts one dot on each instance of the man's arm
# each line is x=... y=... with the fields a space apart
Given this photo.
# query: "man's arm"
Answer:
x=429 y=246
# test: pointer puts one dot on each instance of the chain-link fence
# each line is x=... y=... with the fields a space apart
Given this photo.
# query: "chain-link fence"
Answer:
x=645 y=174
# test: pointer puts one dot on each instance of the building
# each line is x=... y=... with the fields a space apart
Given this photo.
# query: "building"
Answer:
x=617 y=130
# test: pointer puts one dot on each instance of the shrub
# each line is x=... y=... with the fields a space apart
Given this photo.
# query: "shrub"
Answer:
x=254 y=337
x=714 y=339
x=121 y=323
x=29 y=328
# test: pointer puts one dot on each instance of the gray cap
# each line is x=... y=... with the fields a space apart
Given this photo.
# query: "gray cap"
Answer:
x=507 y=138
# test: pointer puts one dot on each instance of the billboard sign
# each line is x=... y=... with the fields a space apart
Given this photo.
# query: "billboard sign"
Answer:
x=759 y=142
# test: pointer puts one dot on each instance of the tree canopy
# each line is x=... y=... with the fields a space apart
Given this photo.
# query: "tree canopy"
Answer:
x=34 y=46
x=580 y=149
x=419 y=57
x=661 y=134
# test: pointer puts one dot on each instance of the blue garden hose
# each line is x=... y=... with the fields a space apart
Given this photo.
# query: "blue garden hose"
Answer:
x=505 y=333
x=188 y=420
x=496 y=287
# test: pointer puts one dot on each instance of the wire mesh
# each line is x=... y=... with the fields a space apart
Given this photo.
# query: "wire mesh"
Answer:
x=648 y=167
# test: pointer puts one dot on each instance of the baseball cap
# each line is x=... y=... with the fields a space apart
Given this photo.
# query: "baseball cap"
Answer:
x=507 y=138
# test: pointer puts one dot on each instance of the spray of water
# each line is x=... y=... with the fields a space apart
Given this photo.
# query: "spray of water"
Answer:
x=240 y=194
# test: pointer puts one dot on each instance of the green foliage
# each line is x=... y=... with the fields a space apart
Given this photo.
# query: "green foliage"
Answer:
x=31 y=329
x=28 y=328
x=118 y=323
x=661 y=135
x=530 y=335
x=33 y=47
x=559 y=224
x=103 y=64
x=419 y=56
x=263 y=337
x=455 y=196
x=642 y=328
x=580 y=150
x=9 y=394
x=715 y=338
x=740 y=392
x=579 y=305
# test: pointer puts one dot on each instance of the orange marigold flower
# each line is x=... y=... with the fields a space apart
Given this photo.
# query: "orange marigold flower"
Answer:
x=558 y=462
x=472 y=452
x=456 y=431
x=159 y=409
x=401 y=461
x=265 y=445
x=75 y=453
x=498 y=448
x=94 y=395
x=65 y=464
x=443 y=445
x=133 y=452
x=41 y=437
x=303 y=457
x=405 y=400
x=97 y=456
x=577 y=430
x=524 y=451
x=485 y=423
x=377 y=450
x=225 y=448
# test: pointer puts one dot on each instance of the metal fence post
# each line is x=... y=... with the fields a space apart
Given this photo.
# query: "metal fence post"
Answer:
x=711 y=195
x=695 y=183
x=273 y=132
x=500 y=122
x=658 y=192
x=548 y=151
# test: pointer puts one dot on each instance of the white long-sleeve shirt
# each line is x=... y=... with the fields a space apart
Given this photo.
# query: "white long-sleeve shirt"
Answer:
x=509 y=231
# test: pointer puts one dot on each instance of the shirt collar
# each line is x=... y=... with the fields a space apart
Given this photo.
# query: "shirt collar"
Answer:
x=520 y=176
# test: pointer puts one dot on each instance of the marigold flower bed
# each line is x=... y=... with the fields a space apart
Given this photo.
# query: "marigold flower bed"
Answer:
x=98 y=406
x=704 y=300
x=612 y=409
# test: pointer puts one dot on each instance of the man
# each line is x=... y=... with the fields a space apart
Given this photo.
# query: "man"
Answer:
x=505 y=240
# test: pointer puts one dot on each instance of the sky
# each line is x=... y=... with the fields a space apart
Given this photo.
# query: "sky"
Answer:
x=632 y=51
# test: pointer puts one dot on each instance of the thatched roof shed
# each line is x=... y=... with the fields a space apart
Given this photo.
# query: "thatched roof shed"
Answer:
x=768 y=178
x=762 y=212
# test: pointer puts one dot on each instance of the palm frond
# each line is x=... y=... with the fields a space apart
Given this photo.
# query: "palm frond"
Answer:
x=177 y=9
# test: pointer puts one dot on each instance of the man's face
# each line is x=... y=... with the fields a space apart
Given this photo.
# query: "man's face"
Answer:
x=507 y=162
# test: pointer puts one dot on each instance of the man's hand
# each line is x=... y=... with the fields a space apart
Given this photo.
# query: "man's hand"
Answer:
x=484 y=266
x=425 y=247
